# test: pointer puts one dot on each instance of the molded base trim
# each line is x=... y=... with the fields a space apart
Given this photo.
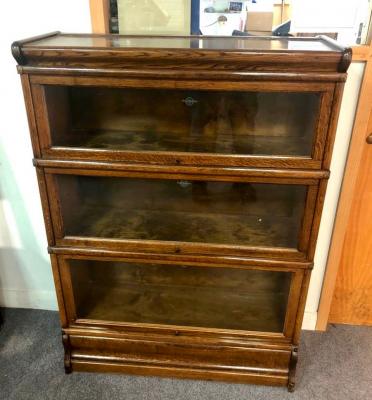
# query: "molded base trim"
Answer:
x=151 y=354
x=179 y=372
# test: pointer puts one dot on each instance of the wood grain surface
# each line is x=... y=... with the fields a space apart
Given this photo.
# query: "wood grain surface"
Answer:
x=182 y=182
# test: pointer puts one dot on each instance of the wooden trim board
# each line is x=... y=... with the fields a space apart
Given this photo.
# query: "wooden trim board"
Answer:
x=100 y=16
x=360 y=53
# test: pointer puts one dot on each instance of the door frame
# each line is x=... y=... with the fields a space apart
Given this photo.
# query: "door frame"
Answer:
x=100 y=16
x=358 y=141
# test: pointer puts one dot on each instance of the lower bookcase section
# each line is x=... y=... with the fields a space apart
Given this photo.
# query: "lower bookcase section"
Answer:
x=236 y=323
x=248 y=363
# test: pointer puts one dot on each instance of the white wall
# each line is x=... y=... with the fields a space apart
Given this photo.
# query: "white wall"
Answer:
x=342 y=16
x=25 y=274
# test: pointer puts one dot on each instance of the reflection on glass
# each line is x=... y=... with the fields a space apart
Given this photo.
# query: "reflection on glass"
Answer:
x=154 y=17
x=187 y=211
x=258 y=123
x=180 y=295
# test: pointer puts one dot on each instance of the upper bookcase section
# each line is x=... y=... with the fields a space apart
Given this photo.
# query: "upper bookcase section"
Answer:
x=237 y=55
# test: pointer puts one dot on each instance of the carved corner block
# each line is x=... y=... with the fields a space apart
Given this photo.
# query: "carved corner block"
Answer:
x=67 y=358
x=292 y=369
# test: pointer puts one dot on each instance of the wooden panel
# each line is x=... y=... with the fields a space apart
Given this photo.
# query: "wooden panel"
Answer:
x=59 y=290
x=357 y=145
x=361 y=53
x=235 y=173
x=172 y=73
x=99 y=14
x=112 y=254
x=227 y=85
x=31 y=115
x=149 y=357
x=352 y=301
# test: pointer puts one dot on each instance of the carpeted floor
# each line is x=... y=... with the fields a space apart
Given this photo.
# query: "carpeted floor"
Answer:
x=332 y=365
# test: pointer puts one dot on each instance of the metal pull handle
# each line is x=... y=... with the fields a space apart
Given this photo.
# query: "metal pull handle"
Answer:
x=189 y=101
x=369 y=139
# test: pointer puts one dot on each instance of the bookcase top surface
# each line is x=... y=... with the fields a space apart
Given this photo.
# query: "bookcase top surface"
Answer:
x=209 y=53
x=223 y=43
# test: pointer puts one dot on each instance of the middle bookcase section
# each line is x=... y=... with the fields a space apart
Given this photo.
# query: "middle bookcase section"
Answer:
x=231 y=214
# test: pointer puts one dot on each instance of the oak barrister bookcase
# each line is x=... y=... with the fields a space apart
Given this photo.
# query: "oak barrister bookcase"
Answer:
x=182 y=181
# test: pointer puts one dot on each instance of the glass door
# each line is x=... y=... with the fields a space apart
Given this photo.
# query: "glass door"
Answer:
x=226 y=215
x=179 y=295
x=267 y=123
x=282 y=126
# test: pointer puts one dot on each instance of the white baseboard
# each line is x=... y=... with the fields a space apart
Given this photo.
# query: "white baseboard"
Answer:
x=309 y=321
x=20 y=298
x=46 y=300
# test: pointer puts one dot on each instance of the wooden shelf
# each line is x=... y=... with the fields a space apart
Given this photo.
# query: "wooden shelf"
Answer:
x=181 y=226
x=224 y=143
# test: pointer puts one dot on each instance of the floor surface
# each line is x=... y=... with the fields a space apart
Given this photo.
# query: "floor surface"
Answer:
x=332 y=365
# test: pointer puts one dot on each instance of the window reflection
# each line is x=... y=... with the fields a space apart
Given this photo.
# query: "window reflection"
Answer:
x=345 y=21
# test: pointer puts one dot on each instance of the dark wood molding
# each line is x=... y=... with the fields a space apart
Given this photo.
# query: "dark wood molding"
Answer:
x=233 y=58
x=346 y=60
x=347 y=53
x=17 y=46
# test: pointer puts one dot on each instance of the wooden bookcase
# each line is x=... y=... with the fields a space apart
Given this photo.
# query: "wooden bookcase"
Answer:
x=182 y=181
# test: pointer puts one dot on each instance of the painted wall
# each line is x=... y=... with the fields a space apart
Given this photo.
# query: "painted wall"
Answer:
x=341 y=16
x=154 y=18
x=25 y=274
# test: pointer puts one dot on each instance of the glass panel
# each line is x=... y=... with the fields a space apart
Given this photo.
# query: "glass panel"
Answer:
x=267 y=123
x=191 y=211
x=149 y=17
x=181 y=295
x=185 y=42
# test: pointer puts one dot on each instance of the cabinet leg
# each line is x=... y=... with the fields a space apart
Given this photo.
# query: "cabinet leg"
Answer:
x=67 y=358
x=292 y=369
x=291 y=387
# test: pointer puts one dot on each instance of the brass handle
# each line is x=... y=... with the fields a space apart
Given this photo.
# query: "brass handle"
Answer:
x=369 y=139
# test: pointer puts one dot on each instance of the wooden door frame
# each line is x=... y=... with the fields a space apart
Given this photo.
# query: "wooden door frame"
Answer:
x=357 y=143
x=100 y=16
